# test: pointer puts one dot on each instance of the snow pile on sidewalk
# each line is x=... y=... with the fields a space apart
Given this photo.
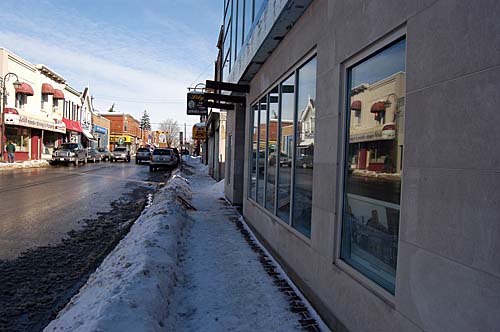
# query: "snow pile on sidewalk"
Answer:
x=130 y=290
x=25 y=164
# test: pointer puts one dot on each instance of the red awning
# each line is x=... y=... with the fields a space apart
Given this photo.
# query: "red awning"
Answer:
x=11 y=111
x=379 y=106
x=25 y=89
x=47 y=89
x=58 y=94
x=356 y=105
x=72 y=125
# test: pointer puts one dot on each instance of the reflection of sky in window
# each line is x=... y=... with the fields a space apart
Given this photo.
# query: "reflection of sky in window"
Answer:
x=380 y=66
x=287 y=99
x=307 y=84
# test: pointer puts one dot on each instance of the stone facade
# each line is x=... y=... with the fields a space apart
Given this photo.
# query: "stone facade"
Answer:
x=448 y=271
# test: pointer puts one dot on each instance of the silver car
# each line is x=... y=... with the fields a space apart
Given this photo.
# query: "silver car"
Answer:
x=162 y=158
x=120 y=153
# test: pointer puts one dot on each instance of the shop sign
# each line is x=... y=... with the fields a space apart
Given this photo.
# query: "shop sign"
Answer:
x=196 y=103
x=199 y=131
x=375 y=135
x=100 y=130
x=121 y=139
x=40 y=124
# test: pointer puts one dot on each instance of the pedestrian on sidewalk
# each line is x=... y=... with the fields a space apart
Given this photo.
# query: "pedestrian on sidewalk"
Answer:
x=11 y=149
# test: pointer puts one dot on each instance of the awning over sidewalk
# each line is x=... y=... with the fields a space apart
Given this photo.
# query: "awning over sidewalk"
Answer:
x=72 y=125
x=89 y=135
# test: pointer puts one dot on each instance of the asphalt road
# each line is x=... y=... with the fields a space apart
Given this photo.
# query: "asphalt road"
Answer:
x=40 y=206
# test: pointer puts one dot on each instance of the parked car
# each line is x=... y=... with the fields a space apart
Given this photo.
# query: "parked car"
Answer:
x=120 y=153
x=162 y=158
x=93 y=155
x=143 y=154
x=69 y=153
x=305 y=161
x=285 y=160
x=105 y=154
x=176 y=151
x=261 y=161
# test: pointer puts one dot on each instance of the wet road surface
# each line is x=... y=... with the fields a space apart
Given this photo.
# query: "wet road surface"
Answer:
x=57 y=225
x=40 y=206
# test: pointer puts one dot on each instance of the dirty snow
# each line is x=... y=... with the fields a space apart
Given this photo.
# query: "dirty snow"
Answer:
x=24 y=164
x=182 y=271
x=131 y=289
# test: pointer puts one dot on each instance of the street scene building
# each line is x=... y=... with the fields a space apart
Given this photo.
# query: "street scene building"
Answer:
x=33 y=112
x=124 y=131
x=101 y=129
x=348 y=141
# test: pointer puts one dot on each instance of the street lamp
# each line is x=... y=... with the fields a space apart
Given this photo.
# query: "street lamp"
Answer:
x=3 y=98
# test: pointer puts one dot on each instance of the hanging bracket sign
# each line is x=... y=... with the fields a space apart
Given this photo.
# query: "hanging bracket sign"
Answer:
x=196 y=103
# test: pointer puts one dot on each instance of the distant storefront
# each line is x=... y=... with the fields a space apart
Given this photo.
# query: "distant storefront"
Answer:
x=101 y=135
x=121 y=140
x=33 y=136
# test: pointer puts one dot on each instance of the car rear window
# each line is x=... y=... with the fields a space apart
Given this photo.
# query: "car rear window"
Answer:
x=142 y=150
x=161 y=152
x=120 y=149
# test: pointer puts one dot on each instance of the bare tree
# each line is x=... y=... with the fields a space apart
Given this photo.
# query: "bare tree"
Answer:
x=170 y=128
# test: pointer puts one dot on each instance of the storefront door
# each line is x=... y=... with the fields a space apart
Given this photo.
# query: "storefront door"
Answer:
x=35 y=144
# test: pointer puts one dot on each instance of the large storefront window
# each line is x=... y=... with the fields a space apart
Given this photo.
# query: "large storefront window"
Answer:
x=283 y=136
x=374 y=150
x=261 y=157
x=51 y=141
x=286 y=148
x=272 y=147
x=304 y=148
x=253 y=157
x=19 y=136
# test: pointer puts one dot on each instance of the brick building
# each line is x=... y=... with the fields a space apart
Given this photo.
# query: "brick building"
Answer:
x=124 y=130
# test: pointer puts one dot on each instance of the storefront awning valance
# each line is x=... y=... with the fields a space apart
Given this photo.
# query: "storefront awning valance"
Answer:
x=25 y=89
x=356 y=105
x=58 y=94
x=89 y=135
x=306 y=142
x=377 y=107
x=9 y=110
x=72 y=125
x=47 y=89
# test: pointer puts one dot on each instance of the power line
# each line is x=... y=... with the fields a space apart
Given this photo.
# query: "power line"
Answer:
x=148 y=101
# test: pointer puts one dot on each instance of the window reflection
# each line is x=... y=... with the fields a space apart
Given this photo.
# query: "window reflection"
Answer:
x=248 y=18
x=286 y=148
x=272 y=148
x=261 y=157
x=374 y=160
x=253 y=157
x=304 y=152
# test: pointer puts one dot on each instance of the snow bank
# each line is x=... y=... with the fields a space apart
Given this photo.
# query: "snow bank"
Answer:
x=131 y=289
x=24 y=164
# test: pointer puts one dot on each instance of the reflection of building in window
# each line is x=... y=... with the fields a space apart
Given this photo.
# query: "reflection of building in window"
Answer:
x=376 y=127
x=306 y=130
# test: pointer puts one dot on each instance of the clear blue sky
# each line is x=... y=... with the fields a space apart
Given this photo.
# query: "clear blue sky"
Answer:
x=136 y=54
